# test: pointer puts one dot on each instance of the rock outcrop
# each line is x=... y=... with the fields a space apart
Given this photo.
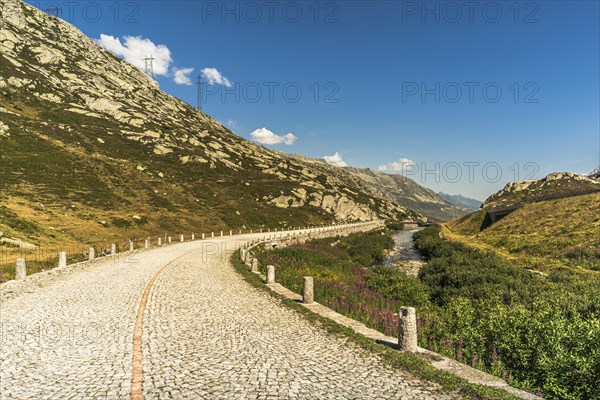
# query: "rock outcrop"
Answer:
x=76 y=122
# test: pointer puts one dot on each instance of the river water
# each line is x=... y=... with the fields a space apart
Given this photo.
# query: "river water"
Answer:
x=405 y=256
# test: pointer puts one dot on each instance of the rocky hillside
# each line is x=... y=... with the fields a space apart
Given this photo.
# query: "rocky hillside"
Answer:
x=461 y=201
x=91 y=148
x=555 y=185
x=551 y=233
x=557 y=222
x=408 y=193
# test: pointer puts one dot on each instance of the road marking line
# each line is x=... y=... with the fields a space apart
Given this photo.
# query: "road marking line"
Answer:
x=137 y=369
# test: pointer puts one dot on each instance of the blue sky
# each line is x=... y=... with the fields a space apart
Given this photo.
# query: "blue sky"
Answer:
x=460 y=98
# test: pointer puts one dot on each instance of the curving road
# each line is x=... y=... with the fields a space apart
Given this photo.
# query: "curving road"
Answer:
x=205 y=334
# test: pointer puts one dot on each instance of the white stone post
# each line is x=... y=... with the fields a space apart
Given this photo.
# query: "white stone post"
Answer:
x=193 y=237
x=270 y=274
x=212 y=234
x=230 y=232
x=62 y=259
x=146 y=243
x=113 y=249
x=254 y=265
x=91 y=253
x=250 y=230
x=308 y=296
x=407 y=339
x=181 y=239
x=239 y=232
x=170 y=239
x=203 y=236
x=20 y=269
x=159 y=241
x=130 y=245
x=242 y=254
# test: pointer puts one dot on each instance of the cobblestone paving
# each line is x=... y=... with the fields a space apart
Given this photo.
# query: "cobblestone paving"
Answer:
x=207 y=335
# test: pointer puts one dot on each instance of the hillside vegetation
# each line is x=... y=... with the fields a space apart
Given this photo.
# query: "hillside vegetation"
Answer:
x=91 y=149
x=559 y=232
x=537 y=333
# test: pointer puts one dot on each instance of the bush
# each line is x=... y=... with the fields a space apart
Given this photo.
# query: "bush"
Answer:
x=537 y=333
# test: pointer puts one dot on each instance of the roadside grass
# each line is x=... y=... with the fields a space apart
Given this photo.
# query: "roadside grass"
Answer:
x=413 y=364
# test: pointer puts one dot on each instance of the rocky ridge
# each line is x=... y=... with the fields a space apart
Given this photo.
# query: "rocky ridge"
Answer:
x=555 y=185
x=89 y=136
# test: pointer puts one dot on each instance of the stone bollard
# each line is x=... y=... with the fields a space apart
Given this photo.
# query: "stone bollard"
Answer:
x=170 y=239
x=239 y=232
x=130 y=245
x=308 y=296
x=270 y=274
x=269 y=230
x=250 y=230
x=20 y=269
x=91 y=253
x=193 y=237
x=221 y=233
x=159 y=241
x=113 y=249
x=181 y=239
x=146 y=243
x=62 y=259
x=243 y=254
x=203 y=236
x=230 y=233
x=212 y=234
x=254 y=265
x=407 y=339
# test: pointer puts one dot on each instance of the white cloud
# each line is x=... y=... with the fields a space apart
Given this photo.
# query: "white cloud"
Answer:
x=402 y=165
x=135 y=48
x=181 y=76
x=214 y=77
x=265 y=136
x=231 y=124
x=336 y=160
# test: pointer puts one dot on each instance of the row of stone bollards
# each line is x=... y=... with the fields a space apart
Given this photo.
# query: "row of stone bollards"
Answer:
x=407 y=325
x=21 y=268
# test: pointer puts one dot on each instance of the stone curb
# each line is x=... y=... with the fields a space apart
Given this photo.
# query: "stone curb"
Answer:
x=438 y=361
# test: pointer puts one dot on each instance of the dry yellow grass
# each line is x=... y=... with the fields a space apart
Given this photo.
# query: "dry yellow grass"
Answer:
x=561 y=232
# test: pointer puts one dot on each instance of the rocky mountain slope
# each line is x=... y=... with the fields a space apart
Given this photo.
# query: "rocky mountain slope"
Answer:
x=559 y=232
x=90 y=148
x=555 y=185
x=557 y=222
x=461 y=201
x=408 y=193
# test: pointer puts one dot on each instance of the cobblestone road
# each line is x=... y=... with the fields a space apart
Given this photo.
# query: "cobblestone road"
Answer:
x=206 y=335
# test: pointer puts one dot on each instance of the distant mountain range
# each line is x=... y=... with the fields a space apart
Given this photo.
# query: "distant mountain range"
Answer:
x=595 y=173
x=461 y=201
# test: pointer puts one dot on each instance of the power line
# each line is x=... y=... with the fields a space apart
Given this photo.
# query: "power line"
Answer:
x=199 y=83
x=148 y=66
x=56 y=11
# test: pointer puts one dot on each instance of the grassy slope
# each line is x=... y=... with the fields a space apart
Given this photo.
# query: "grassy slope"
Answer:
x=544 y=234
